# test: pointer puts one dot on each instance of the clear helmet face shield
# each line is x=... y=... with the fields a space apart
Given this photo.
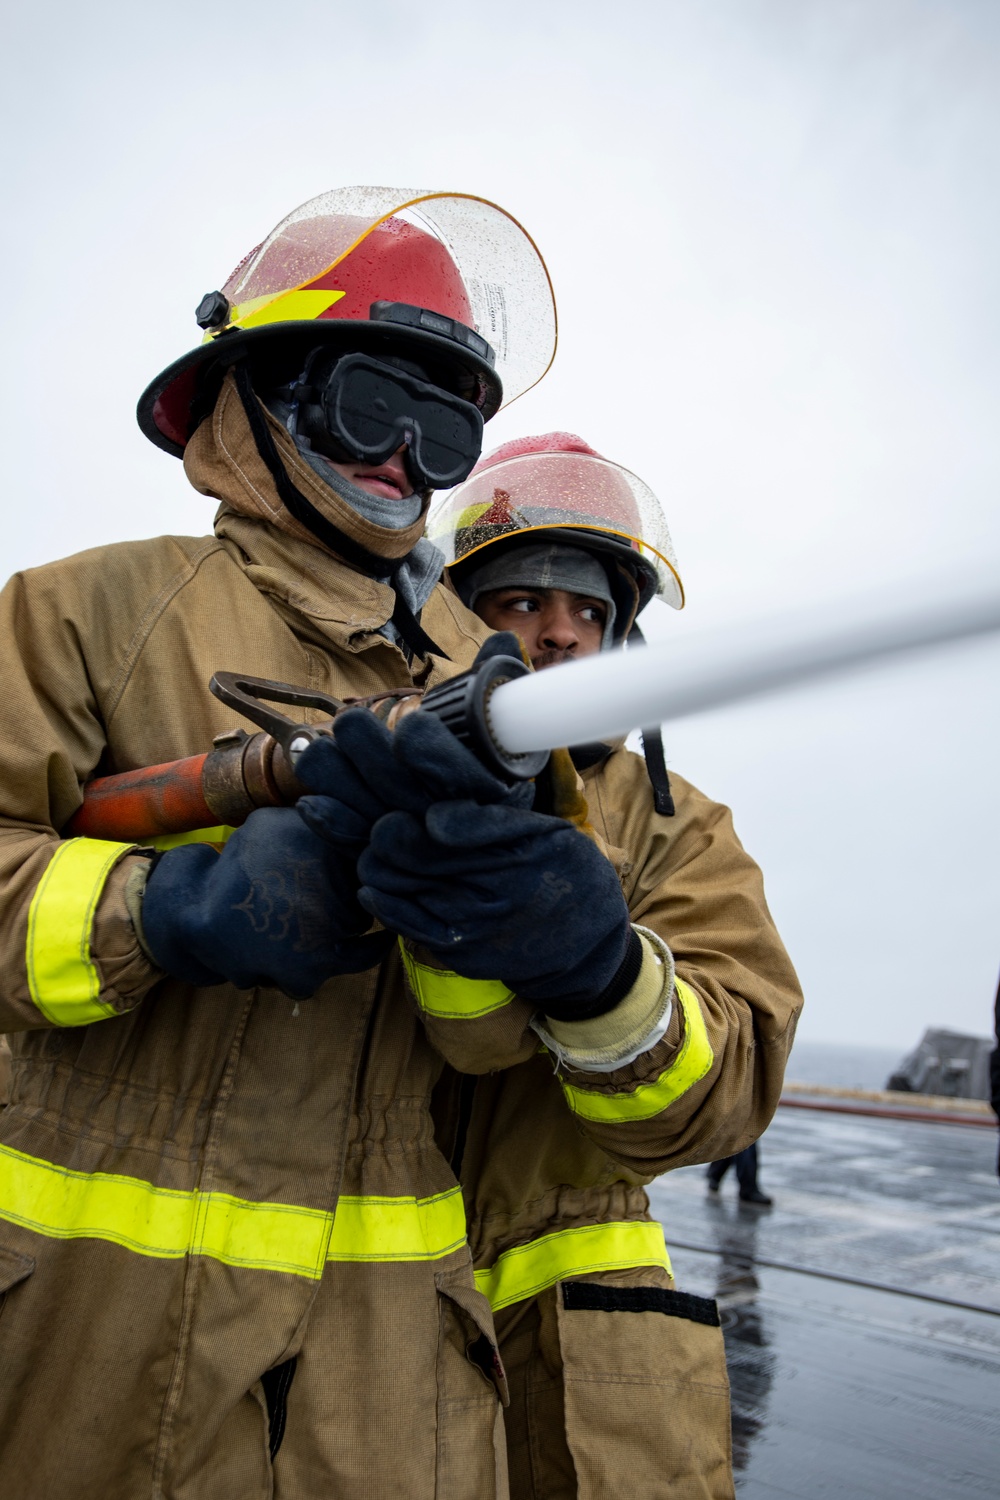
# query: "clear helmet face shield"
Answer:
x=452 y=253
x=578 y=492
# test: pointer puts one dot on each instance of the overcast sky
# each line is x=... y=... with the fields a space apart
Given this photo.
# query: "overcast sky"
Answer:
x=772 y=230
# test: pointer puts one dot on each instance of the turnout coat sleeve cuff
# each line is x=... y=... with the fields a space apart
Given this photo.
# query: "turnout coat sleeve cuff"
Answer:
x=631 y=1028
x=75 y=956
x=126 y=968
x=477 y=1025
x=85 y=959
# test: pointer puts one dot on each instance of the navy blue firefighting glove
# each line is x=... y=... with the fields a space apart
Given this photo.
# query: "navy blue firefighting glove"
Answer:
x=366 y=771
x=276 y=907
x=501 y=893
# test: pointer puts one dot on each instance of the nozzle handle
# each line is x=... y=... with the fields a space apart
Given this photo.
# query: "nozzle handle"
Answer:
x=251 y=695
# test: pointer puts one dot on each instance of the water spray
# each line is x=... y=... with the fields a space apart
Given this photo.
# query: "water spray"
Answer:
x=510 y=717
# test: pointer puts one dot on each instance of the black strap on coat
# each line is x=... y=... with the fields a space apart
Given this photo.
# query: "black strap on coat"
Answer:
x=466 y=1100
x=653 y=753
x=656 y=770
x=277 y=1383
x=403 y=618
x=413 y=633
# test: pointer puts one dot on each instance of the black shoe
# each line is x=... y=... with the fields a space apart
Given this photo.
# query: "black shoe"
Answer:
x=757 y=1197
x=712 y=1185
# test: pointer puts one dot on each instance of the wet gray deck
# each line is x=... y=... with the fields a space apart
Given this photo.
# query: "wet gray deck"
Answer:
x=840 y=1389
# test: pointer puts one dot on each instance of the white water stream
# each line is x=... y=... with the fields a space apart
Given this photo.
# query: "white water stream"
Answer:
x=608 y=695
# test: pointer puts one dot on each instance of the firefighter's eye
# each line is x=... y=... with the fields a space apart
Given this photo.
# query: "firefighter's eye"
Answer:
x=525 y=606
x=595 y=613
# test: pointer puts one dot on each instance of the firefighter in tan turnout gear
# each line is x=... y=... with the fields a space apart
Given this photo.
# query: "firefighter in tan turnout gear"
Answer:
x=643 y=960
x=233 y=1260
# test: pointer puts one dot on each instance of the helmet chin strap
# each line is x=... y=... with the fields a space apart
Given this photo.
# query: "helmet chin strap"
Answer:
x=653 y=753
x=405 y=621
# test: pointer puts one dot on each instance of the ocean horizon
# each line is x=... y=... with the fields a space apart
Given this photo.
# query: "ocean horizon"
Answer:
x=837 y=1065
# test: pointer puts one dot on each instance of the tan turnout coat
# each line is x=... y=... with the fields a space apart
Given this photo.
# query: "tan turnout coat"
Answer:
x=554 y=1164
x=172 y=1158
x=197 y=1185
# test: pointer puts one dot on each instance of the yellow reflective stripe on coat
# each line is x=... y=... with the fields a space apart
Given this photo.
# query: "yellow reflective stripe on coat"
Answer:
x=217 y=836
x=166 y=1224
x=398 y=1228
x=529 y=1269
x=62 y=979
x=450 y=996
x=692 y=1062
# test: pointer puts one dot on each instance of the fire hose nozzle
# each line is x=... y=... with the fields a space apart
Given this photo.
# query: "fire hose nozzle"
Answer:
x=247 y=771
x=463 y=706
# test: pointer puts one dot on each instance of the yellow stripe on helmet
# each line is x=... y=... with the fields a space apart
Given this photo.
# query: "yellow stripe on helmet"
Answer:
x=298 y=305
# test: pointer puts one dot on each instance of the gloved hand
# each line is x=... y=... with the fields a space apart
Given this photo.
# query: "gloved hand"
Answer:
x=276 y=907
x=501 y=893
x=366 y=770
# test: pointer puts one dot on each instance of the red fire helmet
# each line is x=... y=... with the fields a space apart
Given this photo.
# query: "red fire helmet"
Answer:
x=452 y=276
x=556 y=487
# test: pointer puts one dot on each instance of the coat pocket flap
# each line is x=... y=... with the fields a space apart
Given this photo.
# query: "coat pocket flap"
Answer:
x=476 y=1316
x=645 y=1394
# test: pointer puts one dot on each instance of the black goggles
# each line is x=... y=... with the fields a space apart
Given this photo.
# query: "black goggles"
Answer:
x=366 y=410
